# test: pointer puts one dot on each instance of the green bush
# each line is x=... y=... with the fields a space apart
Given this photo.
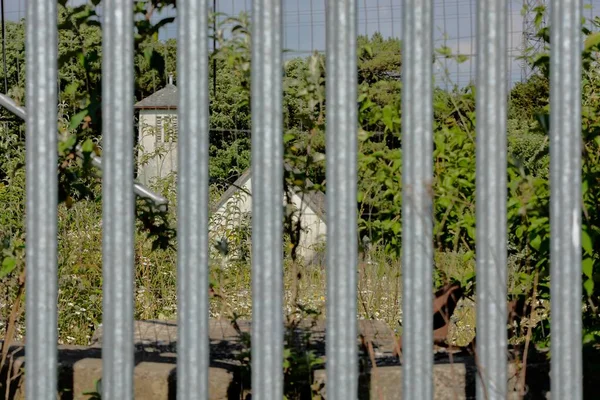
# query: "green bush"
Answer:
x=379 y=197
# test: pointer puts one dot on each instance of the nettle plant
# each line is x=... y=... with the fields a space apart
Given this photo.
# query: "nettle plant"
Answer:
x=231 y=231
x=529 y=196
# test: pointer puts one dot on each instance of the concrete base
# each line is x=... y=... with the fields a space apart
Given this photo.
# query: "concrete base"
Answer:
x=155 y=372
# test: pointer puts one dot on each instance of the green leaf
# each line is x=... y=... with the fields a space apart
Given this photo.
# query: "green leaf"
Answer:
x=71 y=88
x=388 y=117
x=445 y=51
x=67 y=144
x=589 y=286
x=8 y=266
x=77 y=118
x=471 y=232
x=591 y=41
x=288 y=137
x=461 y=58
x=81 y=59
x=360 y=196
x=87 y=146
x=589 y=337
x=586 y=242
x=587 y=267
x=468 y=256
x=535 y=242
x=519 y=231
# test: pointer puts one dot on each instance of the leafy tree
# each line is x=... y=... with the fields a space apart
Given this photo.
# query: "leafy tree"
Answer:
x=527 y=99
x=378 y=59
x=305 y=109
x=80 y=120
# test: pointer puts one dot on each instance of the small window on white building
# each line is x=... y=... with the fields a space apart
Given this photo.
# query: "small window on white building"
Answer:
x=159 y=129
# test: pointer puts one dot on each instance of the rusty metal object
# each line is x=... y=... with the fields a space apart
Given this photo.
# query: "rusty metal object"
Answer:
x=444 y=304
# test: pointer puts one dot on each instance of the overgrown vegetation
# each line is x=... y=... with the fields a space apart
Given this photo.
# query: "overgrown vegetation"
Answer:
x=379 y=197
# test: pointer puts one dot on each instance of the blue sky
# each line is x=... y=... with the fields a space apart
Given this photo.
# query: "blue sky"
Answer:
x=304 y=26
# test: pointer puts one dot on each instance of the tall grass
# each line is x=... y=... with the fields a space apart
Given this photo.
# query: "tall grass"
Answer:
x=80 y=280
x=379 y=283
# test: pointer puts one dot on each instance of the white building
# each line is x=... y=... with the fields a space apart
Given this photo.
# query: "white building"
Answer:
x=307 y=207
x=157 y=157
x=157 y=134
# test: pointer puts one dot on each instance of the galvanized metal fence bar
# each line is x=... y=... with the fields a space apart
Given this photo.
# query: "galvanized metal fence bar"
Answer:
x=565 y=199
x=341 y=174
x=117 y=200
x=41 y=199
x=11 y=106
x=491 y=236
x=417 y=199
x=267 y=165
x=192 y=181
x=267 y=200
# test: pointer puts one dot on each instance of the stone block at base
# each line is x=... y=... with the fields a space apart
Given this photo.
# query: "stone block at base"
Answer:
x=155 y=372
x=453 y=381
x=152 y=380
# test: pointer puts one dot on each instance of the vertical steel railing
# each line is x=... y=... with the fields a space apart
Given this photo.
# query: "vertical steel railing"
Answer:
x=491 y=106
x=417 y=199
x=117 y=200
x=267 y=164
x=341 y=173
x=193 y=344
x=41 y=199
x=267 y=200
x=565 y=199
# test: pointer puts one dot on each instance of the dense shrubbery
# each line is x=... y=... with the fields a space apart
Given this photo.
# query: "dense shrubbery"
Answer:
x=379 y=163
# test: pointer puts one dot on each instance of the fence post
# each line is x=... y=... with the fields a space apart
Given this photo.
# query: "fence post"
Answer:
x=41 y=199
x=117 y=200
x=267 y=201
x=192 y=182
x=565 y=199
x=417 y=199
x=341 y=173
x=491 y=236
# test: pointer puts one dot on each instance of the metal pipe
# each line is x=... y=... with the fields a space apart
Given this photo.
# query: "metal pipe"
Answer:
x=41 y=357
x=417 y=199
x=4 y=48
x=192 y=182
x=491 y=232
x=565 y=199
x=342 y=218
x=140 y=190
x=117 y=200
x=267 y=200
x=215 y=50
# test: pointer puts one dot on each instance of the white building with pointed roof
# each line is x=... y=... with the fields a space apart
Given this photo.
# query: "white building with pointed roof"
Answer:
x=157 y=134
x=307 y=208
x=157 y=158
